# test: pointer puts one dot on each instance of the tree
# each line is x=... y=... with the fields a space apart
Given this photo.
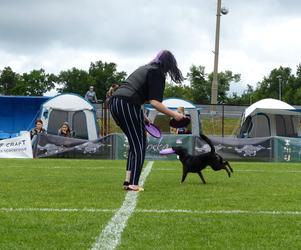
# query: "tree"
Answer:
x=224 y=80
x=100 y=75
x=269 y=87
x=8 y=81
x=178 y=91
x=75 y=81
x=104 y=75
x=201 y=84
x=245 y=99
x=35 y=83
x=292 y=88
x=201 y=88
x=247 y=96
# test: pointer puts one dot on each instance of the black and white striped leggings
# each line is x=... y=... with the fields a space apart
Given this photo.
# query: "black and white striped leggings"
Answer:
x=130 y=119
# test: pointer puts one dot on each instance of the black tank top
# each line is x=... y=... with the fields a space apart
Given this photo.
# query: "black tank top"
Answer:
x=136 y=87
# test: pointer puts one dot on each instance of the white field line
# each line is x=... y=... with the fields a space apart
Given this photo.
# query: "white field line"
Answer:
x=155 y=211
x=268 y=171
x=247 y=212
x=111 y=234
x=60 y=167
x=58 y=210
x=238 y=170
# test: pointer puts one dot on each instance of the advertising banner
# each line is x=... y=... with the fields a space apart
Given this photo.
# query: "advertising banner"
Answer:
x=54 y=146
x=115 y=146
x=243 y=149
x=17 y=147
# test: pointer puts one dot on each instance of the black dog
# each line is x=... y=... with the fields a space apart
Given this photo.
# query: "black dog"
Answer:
x=196 y=163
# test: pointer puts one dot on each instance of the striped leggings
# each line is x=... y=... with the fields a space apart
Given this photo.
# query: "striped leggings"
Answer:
x=130 y=119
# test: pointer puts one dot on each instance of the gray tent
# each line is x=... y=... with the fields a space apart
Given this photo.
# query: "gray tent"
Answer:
x=73 y=109
x=174 y=103
x=270 y=117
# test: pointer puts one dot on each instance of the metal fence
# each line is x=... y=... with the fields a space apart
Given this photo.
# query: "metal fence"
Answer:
x=221 y=120
x=215 y=120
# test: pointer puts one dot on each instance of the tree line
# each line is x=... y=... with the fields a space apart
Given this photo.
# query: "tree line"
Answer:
x=281 y=83
x=37 y=82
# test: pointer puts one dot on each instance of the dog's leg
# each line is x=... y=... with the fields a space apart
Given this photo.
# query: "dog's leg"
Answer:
x=228 y=164
x=224 y=167
x=220 y=167
x=229 y=173
x=202 y=177
x=184 y=176
x=224 y=163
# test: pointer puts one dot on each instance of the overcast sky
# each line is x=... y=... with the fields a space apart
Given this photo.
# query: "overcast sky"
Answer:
x=256 y=36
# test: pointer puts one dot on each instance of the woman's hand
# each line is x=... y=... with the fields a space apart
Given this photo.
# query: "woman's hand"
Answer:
x=146 y=120
x=161 y=108
x=178 y=116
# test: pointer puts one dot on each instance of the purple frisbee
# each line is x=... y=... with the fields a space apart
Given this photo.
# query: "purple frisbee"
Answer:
x=167 y=151
x=153 y=130
x=179 y=124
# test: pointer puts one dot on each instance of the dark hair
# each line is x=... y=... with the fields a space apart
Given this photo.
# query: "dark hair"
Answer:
x=68 y=127
x=168 y=64
x=38 y=121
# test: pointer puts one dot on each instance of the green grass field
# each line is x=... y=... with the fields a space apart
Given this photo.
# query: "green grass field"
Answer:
x=65 y=204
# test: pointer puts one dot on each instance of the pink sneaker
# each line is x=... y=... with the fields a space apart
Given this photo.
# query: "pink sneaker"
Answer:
x=135 y=188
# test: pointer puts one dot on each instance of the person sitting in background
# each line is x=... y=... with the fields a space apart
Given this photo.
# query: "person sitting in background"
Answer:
x=112 y=89
x=38 y=129
x=91 y=95
x=173 y=130
x=110 y=92
x=182 y=130
x=65 y=130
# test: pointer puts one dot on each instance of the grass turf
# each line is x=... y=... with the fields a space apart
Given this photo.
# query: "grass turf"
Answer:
x=157 y=222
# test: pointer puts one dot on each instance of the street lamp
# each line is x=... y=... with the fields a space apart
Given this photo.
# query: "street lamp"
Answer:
x=279 y=85
x=214 y=87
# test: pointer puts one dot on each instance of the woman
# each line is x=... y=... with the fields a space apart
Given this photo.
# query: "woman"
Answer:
x=38 y=129
x=182 y=130
x=65 y=130
x=146 y=84
x=91 y=95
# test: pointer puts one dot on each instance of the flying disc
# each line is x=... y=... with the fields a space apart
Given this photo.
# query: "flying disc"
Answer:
x=153 y=130
x=167 y=151
x=179 y=124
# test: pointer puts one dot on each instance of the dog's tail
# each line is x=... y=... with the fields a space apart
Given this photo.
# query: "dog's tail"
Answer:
x=206 y=139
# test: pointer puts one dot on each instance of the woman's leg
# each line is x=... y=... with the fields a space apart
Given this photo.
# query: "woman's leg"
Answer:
x=115 y=111
x=137 y=142
x=131 y=120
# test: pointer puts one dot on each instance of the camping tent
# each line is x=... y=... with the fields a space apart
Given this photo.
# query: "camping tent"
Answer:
x=73 y=109
x=18 y=113
x=174 y=103
x=270 y=117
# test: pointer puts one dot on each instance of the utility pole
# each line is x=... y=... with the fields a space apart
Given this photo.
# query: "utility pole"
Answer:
x=214 y=86
x=279 y=85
